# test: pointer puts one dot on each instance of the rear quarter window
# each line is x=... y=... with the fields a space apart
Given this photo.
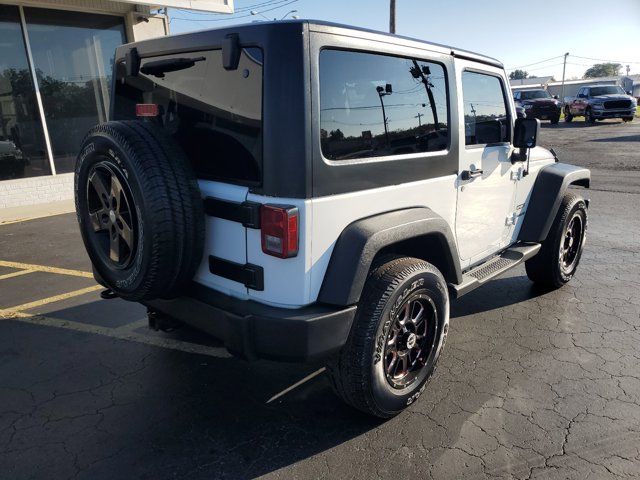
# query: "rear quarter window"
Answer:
x=215 y=115
x=375 y=105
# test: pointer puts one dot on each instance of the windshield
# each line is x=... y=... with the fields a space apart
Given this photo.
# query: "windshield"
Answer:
x=607 y=90
x=532 y=94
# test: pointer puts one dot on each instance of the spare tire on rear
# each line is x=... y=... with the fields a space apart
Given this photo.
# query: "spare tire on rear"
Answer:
x=139 y=209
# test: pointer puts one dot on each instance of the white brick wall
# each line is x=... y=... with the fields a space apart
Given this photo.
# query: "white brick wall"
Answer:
x=31 y=191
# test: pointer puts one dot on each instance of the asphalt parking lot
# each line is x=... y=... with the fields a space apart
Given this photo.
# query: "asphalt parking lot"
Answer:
x=532 y=384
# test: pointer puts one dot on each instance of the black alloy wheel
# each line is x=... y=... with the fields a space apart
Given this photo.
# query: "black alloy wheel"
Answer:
x=410 y=340
x=396 y=339
x=139 y=209
x=111 y=215
x=558 y=259
x=571 y=244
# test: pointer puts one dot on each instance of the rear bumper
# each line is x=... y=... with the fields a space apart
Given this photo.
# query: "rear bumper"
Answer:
x=253 y=330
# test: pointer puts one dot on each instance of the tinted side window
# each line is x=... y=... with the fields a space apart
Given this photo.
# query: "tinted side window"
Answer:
x=377 y=105
x=486 y=118
x=214 y=114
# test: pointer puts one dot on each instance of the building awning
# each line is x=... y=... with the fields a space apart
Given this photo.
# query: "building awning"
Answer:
x=217 y=6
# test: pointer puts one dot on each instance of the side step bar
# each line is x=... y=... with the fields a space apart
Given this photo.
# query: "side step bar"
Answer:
x=490 y=269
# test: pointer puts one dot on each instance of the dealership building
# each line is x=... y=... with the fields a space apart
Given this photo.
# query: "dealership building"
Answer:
x=55 y=74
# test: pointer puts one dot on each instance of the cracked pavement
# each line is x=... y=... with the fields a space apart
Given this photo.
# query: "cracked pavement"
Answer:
x=532 y=384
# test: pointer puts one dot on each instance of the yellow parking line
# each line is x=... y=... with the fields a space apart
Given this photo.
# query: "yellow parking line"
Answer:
x=55 y=298
x=15 y=274
x=44 y=268
x=119 y=333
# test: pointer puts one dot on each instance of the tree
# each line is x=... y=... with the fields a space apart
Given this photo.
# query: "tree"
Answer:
x=518 y=75
x=603 y=70
x=336 y=134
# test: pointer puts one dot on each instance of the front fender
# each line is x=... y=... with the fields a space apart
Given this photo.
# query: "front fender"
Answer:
x=548 y=190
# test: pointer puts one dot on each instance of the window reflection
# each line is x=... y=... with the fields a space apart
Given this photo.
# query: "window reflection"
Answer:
x=485 y=111
x=22 y=147
x=214 y=114
x=73 y=55
x=376 y=105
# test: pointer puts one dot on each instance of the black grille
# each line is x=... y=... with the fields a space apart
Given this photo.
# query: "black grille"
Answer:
x=618 y=104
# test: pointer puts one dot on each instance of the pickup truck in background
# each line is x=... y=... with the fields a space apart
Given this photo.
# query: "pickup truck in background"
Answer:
x=538 y=104
x=599 y=102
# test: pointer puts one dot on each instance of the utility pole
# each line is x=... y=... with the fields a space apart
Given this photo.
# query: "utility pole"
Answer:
x=419 y=117
x=628 y=70
x=564 y=67
x=392 y=16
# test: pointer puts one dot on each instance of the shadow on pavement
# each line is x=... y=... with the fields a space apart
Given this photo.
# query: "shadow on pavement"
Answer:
x=626 y=138
x=94 y=405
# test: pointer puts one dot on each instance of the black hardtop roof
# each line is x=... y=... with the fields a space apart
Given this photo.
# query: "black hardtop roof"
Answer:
x=337 y=28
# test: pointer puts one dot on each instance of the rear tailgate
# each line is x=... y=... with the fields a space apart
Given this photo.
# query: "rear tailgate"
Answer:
x=225 y=240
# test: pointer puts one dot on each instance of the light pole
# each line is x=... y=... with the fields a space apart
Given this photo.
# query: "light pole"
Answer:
x=288 y=13
x=419 y=117
x=564 y=67
x=383 y=92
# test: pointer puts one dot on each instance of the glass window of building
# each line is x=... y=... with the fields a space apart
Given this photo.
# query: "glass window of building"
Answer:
x=22 y=146
x=73 y=55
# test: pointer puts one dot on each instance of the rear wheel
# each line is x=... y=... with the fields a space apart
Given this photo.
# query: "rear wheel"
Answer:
x=558 y=259
x=628 y=119
x=396 y=339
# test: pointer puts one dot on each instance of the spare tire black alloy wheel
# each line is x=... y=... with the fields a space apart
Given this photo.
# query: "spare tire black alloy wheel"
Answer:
x=410 y=340
x=139 y=209
x=111 y=214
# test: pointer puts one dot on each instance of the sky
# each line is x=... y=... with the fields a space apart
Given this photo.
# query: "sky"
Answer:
x=528 y=34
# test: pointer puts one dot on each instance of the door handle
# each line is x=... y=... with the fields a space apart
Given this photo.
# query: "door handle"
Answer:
x=469 y=174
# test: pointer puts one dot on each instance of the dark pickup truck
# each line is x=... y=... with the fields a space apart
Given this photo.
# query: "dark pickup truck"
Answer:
x=538 y=104
x=599 y=102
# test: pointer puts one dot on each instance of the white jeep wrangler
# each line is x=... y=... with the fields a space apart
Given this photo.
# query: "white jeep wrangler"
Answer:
x=314 y=192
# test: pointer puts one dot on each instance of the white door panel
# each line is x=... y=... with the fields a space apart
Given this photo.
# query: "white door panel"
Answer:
x=223 y=239
x=486 y=201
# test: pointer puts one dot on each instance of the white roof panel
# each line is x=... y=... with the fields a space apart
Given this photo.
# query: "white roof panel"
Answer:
x=217 y=6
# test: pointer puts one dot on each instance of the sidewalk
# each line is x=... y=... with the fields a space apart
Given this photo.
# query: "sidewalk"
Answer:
x=28 y=212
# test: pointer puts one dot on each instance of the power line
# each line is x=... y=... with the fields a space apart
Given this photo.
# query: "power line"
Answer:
x=246 y=8
x=535 y=63
x=289 y=2
x=607 y=61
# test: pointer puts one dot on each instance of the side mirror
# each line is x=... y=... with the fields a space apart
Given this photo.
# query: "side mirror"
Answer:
x=555 y=97
x=525 y=134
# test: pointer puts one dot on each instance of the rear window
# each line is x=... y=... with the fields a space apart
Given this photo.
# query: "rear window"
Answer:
x=215 y=115
x=378 y=105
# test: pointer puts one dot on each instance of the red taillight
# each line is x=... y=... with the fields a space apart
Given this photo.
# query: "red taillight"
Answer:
x=147 y=109
x=279 y=227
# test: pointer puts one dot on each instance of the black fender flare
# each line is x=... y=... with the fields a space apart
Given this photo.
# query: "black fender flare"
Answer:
x=550 y=186
x=362 y=240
